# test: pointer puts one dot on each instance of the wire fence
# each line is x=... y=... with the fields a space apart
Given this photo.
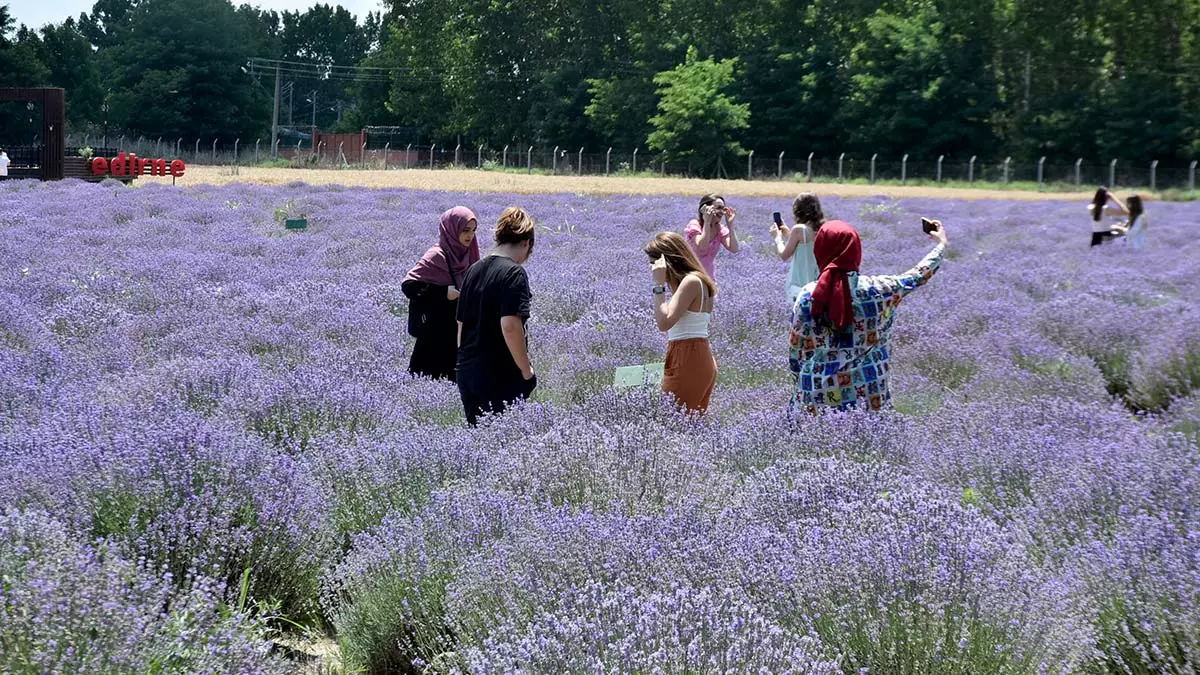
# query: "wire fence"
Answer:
x=381 y=151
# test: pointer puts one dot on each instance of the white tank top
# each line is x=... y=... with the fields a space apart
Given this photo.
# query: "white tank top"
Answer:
x=692 y=324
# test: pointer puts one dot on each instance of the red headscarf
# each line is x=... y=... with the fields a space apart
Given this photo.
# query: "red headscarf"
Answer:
x=449 y=254
x=838 y=251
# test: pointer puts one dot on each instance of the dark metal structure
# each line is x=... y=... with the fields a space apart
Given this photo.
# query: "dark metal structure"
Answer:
x=54 y=111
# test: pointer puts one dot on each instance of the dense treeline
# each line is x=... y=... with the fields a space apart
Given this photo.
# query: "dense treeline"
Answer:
x=687 y=78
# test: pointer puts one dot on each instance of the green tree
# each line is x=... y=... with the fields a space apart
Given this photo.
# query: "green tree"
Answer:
x=194 y=85
x=918 y=84
x=696 y=119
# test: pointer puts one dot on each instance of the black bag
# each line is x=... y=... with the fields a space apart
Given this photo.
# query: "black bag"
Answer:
x=421 y=302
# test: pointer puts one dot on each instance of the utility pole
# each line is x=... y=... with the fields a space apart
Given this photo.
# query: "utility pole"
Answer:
x=275 y=116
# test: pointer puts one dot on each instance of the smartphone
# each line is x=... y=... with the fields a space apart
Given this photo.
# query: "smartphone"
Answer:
x=778 y=218
x=928 y=226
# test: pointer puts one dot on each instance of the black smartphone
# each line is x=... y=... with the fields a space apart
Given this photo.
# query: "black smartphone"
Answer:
x=928 y=226
x=778 y=218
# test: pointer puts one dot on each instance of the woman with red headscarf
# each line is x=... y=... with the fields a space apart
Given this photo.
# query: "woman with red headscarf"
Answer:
x=432 y=289
x=842 y=323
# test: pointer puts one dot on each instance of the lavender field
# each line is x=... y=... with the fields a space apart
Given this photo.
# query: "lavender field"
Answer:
x=209 y=443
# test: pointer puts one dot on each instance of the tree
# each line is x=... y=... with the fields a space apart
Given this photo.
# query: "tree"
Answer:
x=194 y=85
x=696 y=119
x=917 y=84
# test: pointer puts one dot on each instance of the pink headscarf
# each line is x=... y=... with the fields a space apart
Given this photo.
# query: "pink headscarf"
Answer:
x=449 y=255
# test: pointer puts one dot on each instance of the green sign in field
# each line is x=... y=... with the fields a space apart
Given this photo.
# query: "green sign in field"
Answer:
x=638 y=376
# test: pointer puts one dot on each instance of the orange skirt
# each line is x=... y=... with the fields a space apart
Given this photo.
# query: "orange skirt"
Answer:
x=690 y=373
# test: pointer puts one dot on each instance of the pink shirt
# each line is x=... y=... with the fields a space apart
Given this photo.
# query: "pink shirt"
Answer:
x=709 y=255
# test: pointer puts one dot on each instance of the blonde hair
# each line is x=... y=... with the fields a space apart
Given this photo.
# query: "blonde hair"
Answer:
x=514 y=226
x=681 y=261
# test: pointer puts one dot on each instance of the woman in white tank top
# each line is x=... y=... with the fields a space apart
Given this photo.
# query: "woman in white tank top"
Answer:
x=690 y=372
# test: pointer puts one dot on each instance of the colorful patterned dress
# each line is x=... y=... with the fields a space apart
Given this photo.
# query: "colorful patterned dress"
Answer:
x=839 y=369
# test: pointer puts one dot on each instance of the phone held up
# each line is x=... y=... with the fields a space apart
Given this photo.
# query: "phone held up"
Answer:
x=928 y=226
x=778 y=218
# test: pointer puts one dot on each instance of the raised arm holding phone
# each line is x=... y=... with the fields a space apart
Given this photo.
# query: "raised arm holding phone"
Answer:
x=840 y=339
x=795 y=244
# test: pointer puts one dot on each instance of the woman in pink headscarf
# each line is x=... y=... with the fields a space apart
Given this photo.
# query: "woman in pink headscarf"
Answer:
x=432 y=289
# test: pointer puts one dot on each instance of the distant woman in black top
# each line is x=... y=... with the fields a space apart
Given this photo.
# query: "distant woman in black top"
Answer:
x=494 y=368
x=432 y=288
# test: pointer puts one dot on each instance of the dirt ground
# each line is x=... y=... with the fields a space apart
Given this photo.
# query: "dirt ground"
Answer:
x=466 y=180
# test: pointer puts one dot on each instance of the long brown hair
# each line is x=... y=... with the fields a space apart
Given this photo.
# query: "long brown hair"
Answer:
x=681 y=261
x=1098 y=202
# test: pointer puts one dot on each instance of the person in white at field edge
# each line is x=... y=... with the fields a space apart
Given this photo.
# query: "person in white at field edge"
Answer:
x=4 y=162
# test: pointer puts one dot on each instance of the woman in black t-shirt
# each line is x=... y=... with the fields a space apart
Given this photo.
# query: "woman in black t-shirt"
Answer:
x=493 y=348
x=432 y=287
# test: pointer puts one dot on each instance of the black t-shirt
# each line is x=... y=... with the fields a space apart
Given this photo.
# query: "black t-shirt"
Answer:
x=493 y=287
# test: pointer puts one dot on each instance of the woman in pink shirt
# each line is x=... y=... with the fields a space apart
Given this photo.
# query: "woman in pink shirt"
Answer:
x=706 y=235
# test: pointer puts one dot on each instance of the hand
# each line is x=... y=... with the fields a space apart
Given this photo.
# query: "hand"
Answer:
x=939 y=235
x=776 y=229
x=527 y=374
x=659 y=270
x=451 y=293
x=730 y=214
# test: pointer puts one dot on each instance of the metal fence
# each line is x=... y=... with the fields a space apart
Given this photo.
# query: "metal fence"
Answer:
x=380 y=152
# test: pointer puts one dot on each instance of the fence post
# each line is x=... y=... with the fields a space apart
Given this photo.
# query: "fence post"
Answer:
x=407 y=154
x=971 y=170
x=840 y=158
x=1078 y=173
x=1192 y=176
x=342 y=152
x=158 y=147
x=580 y=161
x=808 y=168
x=529 y=161
x=873 y=158
x=779 y=169
x=362 y=155
x=504 y=158
x=939 y=169
x=750 y=166
x=256 y=144
x=178 y=147
x=1112 y=174
x=607 y=161
x=554 y=162
x=236 y=143
x=276 y=148
x=1041 y=165
x=197 y=153
x=1007 y=160
x=479 y=156
x=387 y=147
x=298 y=150
x=1154 y=176
x=635 y=160
x=214 y=151
x=457 y=151
x=904 y=169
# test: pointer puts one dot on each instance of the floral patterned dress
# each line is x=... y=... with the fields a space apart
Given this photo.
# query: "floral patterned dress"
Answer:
x=837 y=369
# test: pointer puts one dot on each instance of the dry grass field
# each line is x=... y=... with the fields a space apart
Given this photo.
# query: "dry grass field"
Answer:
x=486 y=181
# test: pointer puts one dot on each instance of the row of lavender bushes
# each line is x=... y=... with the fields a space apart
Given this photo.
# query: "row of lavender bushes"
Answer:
x=208 y=443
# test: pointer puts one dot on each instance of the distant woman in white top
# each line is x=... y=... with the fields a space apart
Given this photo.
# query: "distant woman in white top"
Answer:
x=1134 y=228
x=795 y=245
x=1103 y=208
x=690 y=372
x=4 y=162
